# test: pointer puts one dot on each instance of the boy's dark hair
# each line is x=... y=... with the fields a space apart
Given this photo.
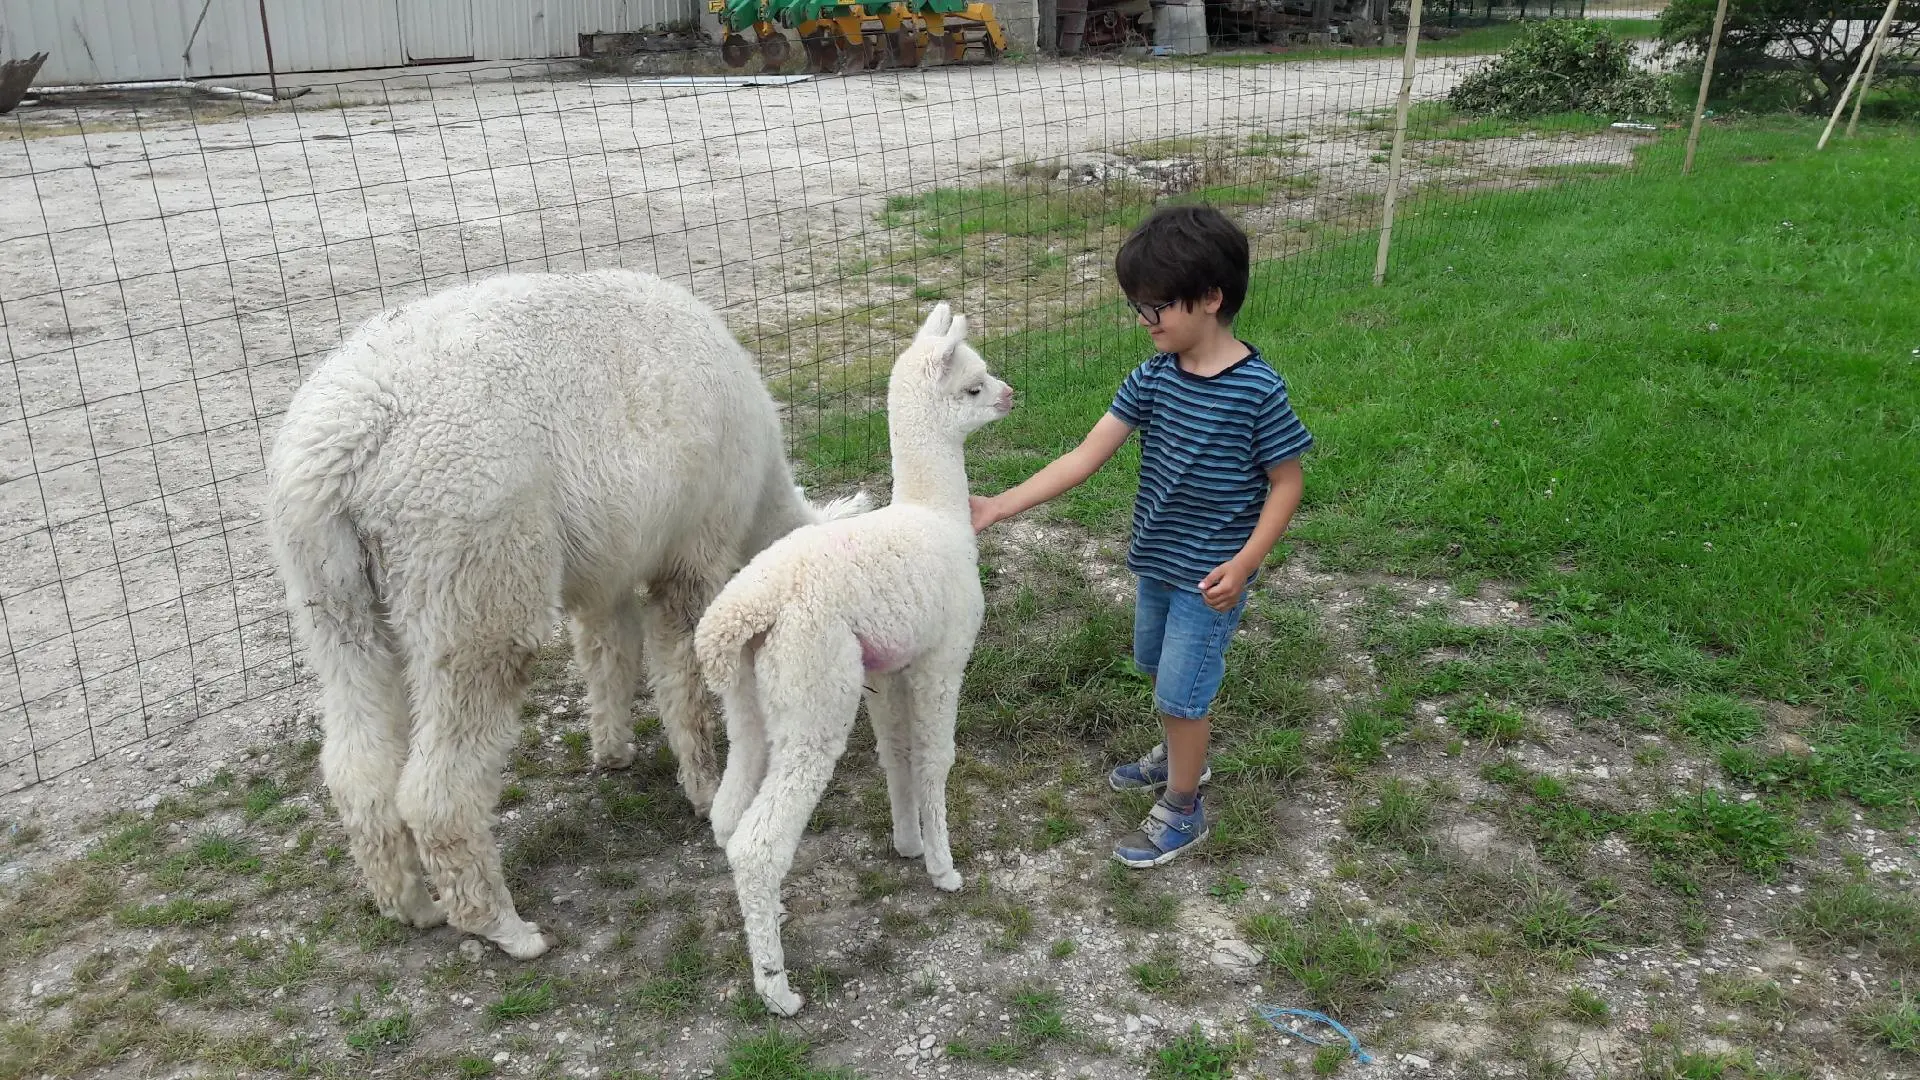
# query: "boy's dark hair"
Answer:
x=1182 y=253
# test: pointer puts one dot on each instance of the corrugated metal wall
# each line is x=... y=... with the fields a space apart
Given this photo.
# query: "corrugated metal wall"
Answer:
x=122 y=40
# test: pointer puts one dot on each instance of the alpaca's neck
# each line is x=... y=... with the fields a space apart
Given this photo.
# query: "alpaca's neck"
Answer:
x=928 y=470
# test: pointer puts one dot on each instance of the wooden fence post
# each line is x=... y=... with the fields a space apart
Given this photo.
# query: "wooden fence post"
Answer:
x=1873 y=62
x=1706 y=80
x=1858 y=69
x=1399 y=142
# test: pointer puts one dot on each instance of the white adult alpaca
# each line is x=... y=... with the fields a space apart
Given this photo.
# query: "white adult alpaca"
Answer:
x=892 y=596
x=458 y=472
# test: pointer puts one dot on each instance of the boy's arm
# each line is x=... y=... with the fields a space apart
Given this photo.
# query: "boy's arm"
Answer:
x=1062 y=474
x=1221 y=589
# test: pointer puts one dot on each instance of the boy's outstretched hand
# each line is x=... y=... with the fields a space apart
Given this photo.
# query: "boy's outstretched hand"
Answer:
x=1221 y=589
x=985 y=511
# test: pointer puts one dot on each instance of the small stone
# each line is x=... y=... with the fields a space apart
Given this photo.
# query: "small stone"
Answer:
x=926 y=1042
x=1234 y=955
x=1415 y=1061
x=473 y=950
x=502 y=1058
x=1133 y=1025
x=904 y=1050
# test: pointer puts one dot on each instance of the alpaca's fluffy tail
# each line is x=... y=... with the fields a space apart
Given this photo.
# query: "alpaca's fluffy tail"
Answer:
x=747 y=606
x=332 y=576
x=846 y=506
x=744 y=611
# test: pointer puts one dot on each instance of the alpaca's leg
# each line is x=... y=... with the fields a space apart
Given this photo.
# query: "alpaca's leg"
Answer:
x=473 y=637
x=746 y=755
x=811 y=703
x=890 y=708
x=679 y=690
x=365 y=719
x=934 y=688
x=609 y=645
x=468 y=723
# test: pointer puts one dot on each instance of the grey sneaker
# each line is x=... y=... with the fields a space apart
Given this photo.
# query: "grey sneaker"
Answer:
x=1148 y=774
x=1164 y=835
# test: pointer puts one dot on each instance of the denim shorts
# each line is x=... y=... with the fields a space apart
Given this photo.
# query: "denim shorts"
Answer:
x=1182 y=643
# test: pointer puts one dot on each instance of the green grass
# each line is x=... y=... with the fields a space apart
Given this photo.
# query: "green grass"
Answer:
x=1856 y=913
x=774 y=1055
x=1437 y=120
x=1335 y=955
x=395 y=1030
x=675 y=987
x=1159 y=974
x=1489 y=723
x=1586 y=1007
x=1136 y=902
x=1709 y=828
x=1395 y=813
x=1035 y=1019
x=178 y=912
x=1716 y=719
x=1013 y=209
x=1474 y=42
x=1895 y=1023
x=528 y=998
x=1193 y=1056
x=1675 y=417
x=1550 y=921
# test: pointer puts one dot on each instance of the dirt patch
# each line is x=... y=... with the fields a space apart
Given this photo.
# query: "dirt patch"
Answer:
x=223 y=925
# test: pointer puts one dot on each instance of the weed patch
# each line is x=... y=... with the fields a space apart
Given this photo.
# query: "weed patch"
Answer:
x=1338 y=957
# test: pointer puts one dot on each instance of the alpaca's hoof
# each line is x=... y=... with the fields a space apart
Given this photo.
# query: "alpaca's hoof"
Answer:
x=700 y=792
x=909 y=849
x=948 y=882
x=425 y=915
x=414 y=908
x=614 y=757
x=524 y=942
x=779 y=999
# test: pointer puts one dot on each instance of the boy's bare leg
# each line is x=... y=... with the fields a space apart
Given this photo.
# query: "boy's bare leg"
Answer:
x=1186 y=758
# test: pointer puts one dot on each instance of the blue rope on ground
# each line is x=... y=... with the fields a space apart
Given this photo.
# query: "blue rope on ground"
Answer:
x=1272 y=1014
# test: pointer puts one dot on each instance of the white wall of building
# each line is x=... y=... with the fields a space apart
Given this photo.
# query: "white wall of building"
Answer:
x=124 y=40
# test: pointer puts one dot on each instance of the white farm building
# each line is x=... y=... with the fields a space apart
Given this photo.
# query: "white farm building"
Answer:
x=92 y=41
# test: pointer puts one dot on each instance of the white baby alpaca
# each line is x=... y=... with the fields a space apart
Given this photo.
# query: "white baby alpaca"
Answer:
x=460 y=471
x=889 y=599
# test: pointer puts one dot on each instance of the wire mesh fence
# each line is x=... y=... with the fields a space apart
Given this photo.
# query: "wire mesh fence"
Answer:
x=172 y=265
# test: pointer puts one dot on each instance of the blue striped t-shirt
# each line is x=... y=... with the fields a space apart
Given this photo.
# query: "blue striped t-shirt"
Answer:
x=1206 y=444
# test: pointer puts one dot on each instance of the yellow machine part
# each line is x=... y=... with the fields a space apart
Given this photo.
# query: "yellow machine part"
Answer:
x=876 y=35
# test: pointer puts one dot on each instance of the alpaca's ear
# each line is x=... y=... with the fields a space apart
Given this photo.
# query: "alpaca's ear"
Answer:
x=940 y=361
x=936 y=325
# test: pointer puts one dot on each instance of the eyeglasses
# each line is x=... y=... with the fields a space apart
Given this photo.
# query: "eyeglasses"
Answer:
x=1150 y=312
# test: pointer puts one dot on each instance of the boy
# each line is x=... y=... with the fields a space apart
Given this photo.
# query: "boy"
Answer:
x=1219 y=481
